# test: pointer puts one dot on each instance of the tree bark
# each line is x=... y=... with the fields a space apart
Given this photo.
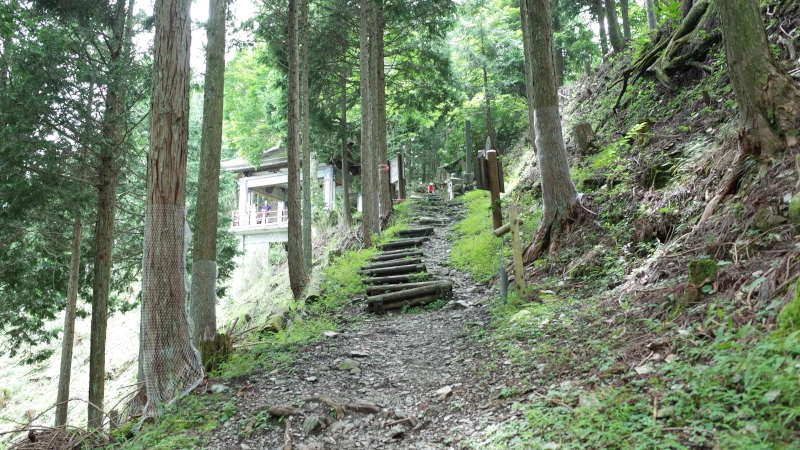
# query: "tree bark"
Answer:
x=347 y=215
x=614 y=34
x=368 y=185
x=650 y=10
x=601 y=21
x=626 y=21
x=379 y=134
x=306 y=138
x=171 y=364
x=297 y=271
x=69 y=324
x=489 y=126
x=558 y=192
x=203 y=298
x=769 y=100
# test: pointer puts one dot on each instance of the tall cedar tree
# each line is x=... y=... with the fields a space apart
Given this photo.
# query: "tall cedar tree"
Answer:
x=306 y=137
x=369 y=198
x=108 y=168
x=203 y=298
x=650 y=10
x=614 y=33
x=558 y=192
x=769 y=100
x=527 y=59
x=65 y=372
x=170 y=363
x=379 y=121
x=298 y=276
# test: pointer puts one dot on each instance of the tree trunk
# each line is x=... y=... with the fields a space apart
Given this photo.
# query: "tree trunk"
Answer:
x=626 y=21
x=104 y=246
x=614 y=34
x=769 y=100
x=650 y=10
x=686 y=6
x=558 y=192
x=297 y=271
x=368 y=185
x=489 y=127
x=171 y=364
x=69 y=324
x=379 y=136
x=203 y=298
x=306 y=138
x=601 y=21
x=347 y=215
x=109 y=162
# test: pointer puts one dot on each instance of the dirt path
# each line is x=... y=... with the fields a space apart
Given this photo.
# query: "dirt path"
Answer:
x=419 y=369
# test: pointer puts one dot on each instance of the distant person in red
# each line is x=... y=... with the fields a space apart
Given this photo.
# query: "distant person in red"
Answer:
x=430 y=189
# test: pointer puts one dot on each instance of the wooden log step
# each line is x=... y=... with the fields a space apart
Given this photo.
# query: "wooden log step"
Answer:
x=392 y=263
x=379 y=308
x=396 y=270
x=443 y=289
x=401 y=255
x=431 y=221
x=382 y=289
x=394 y=279
x=396 y=252
x=402 y=243
x=416 y=232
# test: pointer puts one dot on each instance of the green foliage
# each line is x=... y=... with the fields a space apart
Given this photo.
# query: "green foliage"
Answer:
x=475 y=248
x=789 y=318
x=181 y=426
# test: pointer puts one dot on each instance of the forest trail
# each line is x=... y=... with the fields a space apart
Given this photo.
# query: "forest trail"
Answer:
x=411 y=379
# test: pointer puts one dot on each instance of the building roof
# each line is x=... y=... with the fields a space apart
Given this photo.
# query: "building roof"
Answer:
x=272 y=159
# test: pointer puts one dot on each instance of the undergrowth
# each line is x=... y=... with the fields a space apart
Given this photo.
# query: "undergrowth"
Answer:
x=475 y=248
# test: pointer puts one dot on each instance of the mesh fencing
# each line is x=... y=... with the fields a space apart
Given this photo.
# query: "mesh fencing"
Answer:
x=171 y=363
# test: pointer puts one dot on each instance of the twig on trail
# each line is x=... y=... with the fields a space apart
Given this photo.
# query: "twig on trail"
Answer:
x=341 y=408
x=395 y=422
x=282 y=411
x=655 y=409
x=287 y=436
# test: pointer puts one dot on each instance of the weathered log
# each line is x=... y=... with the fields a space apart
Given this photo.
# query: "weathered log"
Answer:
x=416 y=232
x=394 y=279
x=402 y=243
x=392 y=263
x=382 y=289
x=397 y=270
x=378 y=308
x=401 y=255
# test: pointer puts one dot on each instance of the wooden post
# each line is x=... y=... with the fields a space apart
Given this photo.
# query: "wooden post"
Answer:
x=494 y=189
x=401 y=176
x=519 y=270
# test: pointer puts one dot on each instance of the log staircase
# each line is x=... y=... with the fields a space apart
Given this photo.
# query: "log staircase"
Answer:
x=397 y=277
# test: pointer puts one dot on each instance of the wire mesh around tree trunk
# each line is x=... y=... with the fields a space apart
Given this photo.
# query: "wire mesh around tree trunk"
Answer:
x=171 y=363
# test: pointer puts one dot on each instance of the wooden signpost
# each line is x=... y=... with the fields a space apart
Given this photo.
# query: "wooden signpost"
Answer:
x=516 y=246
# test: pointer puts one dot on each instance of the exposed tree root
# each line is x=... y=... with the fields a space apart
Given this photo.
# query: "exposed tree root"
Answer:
x=549 y=232
x=683 y=48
